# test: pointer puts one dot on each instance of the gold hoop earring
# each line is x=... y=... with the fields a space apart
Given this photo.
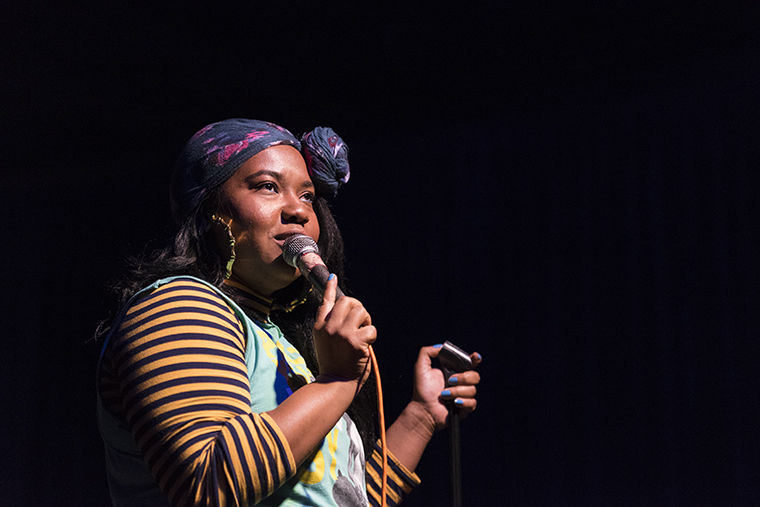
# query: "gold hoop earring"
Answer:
x=225 y=227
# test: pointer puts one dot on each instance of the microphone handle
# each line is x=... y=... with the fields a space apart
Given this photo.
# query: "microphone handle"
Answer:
x=318 y=275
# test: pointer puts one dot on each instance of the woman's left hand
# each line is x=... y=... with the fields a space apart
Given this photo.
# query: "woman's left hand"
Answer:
x=434 y=393
x=428 y=411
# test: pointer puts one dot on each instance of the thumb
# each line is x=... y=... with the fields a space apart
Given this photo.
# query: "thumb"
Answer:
x=328 y=298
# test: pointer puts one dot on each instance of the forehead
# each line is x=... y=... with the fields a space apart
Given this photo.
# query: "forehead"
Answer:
x=282 y=159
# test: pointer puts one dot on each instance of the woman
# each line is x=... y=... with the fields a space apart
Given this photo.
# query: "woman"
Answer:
x=206 y=390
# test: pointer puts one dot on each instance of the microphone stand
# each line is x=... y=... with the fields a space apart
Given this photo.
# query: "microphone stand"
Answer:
x=454 y=360
x=456 y=460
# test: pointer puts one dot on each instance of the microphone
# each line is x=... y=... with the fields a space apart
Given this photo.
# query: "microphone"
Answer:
x=300 y=251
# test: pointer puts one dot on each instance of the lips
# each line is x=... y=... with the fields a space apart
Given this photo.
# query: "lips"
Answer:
x=280 y=238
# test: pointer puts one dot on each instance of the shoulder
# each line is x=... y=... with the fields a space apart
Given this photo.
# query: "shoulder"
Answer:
x=180 y=292
x=180 y=306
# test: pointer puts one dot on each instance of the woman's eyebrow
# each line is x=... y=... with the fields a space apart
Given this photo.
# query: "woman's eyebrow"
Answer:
x=263 y=172
x=276 y=175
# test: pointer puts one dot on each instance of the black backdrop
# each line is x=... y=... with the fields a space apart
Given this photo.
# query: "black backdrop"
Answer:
x=569 y=191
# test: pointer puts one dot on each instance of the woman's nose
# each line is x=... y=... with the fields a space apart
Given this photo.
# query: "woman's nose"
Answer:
x=294 y=210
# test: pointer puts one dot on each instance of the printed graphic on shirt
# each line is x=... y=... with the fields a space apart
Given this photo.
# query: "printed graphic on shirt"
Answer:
x=349 y=488
x=339 y=465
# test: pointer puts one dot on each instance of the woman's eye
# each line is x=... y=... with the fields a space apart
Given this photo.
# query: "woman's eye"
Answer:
x=267 y=185
x=308 y=196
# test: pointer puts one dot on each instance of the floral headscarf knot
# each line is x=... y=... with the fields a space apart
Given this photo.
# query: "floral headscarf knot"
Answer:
x=326 y=157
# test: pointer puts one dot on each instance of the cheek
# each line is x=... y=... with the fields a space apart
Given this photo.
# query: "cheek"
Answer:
x=249 y=226
x=312 y=228
x=315 y=225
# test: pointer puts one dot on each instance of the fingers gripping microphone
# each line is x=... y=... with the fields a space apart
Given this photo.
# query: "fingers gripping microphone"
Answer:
x=300 y=251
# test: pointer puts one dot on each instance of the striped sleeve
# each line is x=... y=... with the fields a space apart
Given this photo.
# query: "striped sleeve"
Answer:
x=179 y=357
x=400 y=480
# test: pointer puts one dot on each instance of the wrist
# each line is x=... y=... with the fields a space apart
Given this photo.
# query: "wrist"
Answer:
x=341 y=386
x=326 y=378
x=416 y=418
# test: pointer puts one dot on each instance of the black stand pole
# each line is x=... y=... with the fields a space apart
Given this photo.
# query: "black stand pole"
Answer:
x=454 y=360
x=456 y=462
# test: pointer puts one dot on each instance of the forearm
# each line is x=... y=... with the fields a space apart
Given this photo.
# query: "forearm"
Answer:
x=307 y=415
x=410 y=434
x=342 y=333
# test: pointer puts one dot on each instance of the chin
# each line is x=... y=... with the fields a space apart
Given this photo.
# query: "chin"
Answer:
x=285 y=272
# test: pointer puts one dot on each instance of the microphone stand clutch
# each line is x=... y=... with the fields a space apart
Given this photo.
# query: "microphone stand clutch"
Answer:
x=454 y=360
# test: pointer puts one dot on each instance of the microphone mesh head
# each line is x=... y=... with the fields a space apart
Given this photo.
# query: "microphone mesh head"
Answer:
x=297 y=245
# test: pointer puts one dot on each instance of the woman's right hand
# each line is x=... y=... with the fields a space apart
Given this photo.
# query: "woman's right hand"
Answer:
x=343 y=332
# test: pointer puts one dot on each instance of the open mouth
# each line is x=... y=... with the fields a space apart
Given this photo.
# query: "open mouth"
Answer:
x=280 y=238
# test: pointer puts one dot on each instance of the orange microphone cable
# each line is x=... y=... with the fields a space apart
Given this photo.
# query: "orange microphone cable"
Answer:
x=381 y=413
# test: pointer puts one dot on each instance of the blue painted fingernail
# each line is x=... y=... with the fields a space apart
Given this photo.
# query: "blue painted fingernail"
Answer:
x=453 y=380
x=445 y=393
x=438 y=345
x=478 y=356
x=459 y=401
x=332 y=275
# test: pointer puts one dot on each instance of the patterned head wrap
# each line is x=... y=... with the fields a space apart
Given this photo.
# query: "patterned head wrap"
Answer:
x=217 y=150
x=214 y=153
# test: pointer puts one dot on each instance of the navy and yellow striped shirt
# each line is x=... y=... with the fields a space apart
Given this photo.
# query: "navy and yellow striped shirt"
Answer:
x=189 y=376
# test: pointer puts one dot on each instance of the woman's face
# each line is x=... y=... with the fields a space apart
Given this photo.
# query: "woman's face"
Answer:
x=269 y=198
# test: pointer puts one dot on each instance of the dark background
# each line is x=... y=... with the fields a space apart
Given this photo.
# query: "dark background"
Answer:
x=568 y=190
